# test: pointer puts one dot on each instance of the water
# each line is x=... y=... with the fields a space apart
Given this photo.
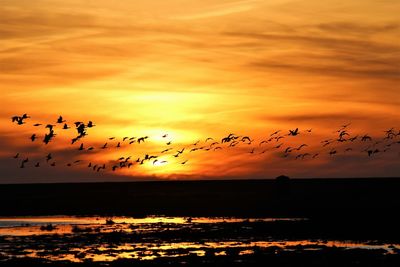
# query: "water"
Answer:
x=23 y=226
x=79 y=239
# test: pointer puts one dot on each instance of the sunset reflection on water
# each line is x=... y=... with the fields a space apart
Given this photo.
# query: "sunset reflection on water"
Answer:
x=102 y=239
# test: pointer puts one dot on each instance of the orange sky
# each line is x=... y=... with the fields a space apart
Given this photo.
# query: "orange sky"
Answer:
x=195 y=69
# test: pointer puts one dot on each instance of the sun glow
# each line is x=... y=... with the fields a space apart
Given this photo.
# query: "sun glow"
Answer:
x=183 y=72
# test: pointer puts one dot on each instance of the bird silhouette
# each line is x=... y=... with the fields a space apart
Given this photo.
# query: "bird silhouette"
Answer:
x=379 y=144
x=142 y=139
x=343 y=133
x=244 y=138
x=366 y=138
x=327 y=143
x=225 y=140
x=342 y=128
x=275 y=133
x=301 y=146
x=196 y=143
x=279 y=146
x=60 y=119
x=81 y=130
x=19 y=119
x=332 y=152
x=288 y=149
x=352 y=139
x=22 y=165
x=50 y=127
x=294 y=132
x=48 y=137
x=371 y=152
x=213 y=144
x=234 y=143
x=25 y=160
x=263 y=142
x=228 y=138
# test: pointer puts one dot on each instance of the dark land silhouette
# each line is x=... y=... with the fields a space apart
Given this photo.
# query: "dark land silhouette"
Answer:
x=305 y=198
x=360 y=210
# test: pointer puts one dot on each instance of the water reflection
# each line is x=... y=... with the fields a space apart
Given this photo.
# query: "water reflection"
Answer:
x=79 y=239
x=149 y=251
x=69 y=224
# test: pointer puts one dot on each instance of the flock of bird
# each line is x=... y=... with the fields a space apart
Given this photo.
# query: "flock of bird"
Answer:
x=340 y=143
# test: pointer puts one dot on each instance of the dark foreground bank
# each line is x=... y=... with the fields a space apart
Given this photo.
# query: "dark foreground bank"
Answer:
x=357 y=206
x=311 y=198
x=345 y=210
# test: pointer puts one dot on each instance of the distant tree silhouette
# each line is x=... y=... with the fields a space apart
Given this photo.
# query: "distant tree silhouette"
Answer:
x=282 y=178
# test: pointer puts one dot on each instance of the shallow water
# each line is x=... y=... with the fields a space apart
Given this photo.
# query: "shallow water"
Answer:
x=64 y=224
x=78 y=239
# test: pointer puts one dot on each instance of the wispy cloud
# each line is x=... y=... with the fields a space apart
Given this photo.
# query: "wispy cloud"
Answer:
x=198 y=69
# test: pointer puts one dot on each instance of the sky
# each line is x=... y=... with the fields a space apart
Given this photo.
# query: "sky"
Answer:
x=198 y=69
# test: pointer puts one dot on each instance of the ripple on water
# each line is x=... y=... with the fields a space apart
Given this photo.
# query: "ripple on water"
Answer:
x=78 y=236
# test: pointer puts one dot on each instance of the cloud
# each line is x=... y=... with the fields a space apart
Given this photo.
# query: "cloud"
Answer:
x=196 y=69
x=326 y=118
x=225 y=9
x=356 y=29
x=325 y=55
